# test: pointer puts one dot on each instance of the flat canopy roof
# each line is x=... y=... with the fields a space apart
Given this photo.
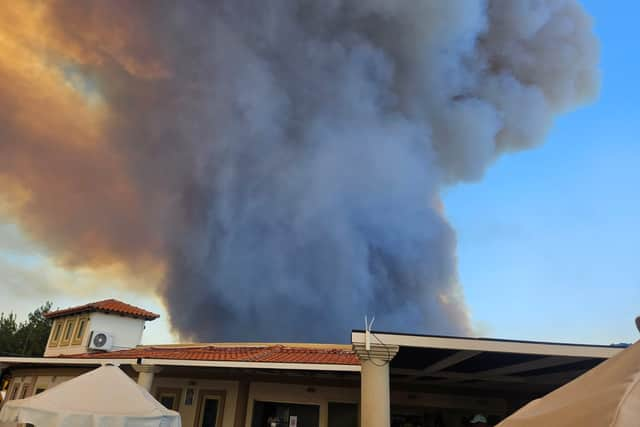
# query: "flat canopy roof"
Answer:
x=504 y=366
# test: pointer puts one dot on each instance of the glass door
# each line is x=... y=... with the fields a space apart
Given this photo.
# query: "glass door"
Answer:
x=209 y=414
x=210 y=406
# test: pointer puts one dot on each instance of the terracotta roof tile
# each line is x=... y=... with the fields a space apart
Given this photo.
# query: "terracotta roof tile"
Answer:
x=106 y=306
x=277 y=353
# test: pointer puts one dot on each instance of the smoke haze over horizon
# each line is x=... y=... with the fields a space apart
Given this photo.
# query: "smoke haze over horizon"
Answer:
x=276 y=169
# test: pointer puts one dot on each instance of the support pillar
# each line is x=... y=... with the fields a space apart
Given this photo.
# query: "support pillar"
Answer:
x=146 y=374
x=241 y=403
x=375 y=402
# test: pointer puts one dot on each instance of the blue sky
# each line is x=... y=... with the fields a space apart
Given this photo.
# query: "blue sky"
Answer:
x=548 y=241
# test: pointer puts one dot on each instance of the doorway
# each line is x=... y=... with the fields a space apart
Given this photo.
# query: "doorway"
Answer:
x=210 y=406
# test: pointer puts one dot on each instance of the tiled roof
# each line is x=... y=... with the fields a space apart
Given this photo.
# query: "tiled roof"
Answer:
x=106 y=306
x=277 y=353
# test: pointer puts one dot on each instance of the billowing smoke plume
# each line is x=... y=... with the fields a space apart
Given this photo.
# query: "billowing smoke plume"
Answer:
x=280 y=161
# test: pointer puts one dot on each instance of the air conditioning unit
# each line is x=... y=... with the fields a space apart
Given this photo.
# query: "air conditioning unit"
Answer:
x=100 y=341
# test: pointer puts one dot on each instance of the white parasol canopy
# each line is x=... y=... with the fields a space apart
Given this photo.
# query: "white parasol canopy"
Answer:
x=103 y=397
x=606 y=396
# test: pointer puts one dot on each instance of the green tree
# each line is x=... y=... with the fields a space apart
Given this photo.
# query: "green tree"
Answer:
x=8 y=328
x=28 y=338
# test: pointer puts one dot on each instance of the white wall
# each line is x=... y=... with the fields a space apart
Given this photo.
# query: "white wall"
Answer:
x=126 y=331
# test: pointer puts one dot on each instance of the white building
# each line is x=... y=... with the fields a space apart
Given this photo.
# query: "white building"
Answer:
x=399 y=380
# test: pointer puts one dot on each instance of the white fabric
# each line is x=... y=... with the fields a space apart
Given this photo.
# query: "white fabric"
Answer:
x=606 y=396
x=104 y=397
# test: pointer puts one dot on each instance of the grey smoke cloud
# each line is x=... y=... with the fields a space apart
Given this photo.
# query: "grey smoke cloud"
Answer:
x=287 y=157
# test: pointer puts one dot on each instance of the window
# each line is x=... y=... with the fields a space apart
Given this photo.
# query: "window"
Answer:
x=14 y=390
x=168 y=400
x=169 y=397
x=79 y=331
x=68 y=331
x=26 y=390
x=210 y=407
x=57 y=330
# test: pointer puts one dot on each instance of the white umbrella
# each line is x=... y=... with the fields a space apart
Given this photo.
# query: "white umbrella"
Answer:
x=104 y=397
x=606 y=396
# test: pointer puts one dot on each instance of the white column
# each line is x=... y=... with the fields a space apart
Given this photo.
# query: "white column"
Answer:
x=375 y=402
x=146 y=374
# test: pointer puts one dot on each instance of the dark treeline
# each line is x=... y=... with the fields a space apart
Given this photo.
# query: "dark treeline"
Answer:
x=28 y=338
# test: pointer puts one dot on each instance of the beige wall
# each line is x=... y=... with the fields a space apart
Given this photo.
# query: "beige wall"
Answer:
x=301 y=394
x=31 y=380
x=72 y=346
x=309 y=393
x=258 y=391
x=188 y=413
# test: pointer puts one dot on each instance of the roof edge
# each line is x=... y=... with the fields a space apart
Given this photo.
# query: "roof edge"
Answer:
x=502 y=340
x=340 y=367
x=343 y=367
x=105 y=306
x=65 y=361
x=490 y=345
